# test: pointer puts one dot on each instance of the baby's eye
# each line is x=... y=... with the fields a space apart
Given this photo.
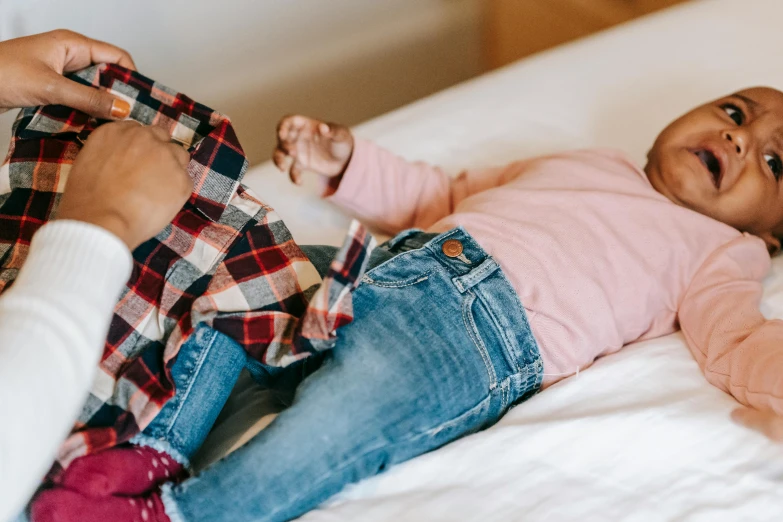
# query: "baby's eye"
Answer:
x=734 y=112
x=775 y=165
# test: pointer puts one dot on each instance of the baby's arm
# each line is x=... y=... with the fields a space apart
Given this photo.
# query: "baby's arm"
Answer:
x=768 y=423
x=739 y=350
x=382 y=189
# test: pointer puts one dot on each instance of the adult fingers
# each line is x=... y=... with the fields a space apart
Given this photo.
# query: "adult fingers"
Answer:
x=94 y=102
x=181 y=155
x=82 y=51
x=102 y=52
x=159 y=133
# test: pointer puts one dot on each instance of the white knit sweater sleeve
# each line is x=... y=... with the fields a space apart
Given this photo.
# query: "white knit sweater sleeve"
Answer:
x=53 y=324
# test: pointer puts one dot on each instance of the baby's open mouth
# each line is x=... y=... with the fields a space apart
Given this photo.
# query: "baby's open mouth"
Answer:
x=712 y=164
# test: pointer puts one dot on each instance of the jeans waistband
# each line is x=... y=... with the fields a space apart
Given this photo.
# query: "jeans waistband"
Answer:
x=463 y=255
x=469 y=265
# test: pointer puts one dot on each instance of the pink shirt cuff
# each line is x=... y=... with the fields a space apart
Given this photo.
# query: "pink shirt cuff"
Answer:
x=351 y=183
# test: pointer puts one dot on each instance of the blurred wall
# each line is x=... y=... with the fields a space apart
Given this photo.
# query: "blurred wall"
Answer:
x=341 y=60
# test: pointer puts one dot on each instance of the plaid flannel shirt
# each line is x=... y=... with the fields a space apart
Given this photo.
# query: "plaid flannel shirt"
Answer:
x=226 y=260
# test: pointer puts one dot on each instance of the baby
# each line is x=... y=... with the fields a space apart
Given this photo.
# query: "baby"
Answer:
x=497 y=284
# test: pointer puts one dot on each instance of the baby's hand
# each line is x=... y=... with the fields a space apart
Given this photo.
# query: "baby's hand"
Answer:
x=765 y=422
x=307 y=144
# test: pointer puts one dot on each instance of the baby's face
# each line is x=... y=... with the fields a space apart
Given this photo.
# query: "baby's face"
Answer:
x=723 y=159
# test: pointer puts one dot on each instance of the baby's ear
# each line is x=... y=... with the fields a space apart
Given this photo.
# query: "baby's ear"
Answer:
x=773 y=243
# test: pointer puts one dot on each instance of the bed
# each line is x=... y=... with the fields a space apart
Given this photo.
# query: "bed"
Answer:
x=640 y=435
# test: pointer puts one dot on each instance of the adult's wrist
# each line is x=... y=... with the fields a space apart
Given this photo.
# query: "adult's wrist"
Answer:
x=75 y=256
x=111 y=221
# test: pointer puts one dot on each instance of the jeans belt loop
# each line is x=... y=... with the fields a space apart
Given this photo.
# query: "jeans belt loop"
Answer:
x=475 y=276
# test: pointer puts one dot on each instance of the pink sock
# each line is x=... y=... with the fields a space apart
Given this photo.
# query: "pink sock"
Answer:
x=126 y=471
x=63 y=505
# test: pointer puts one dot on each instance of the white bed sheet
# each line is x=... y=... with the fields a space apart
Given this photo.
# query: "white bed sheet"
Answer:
x=640 y=435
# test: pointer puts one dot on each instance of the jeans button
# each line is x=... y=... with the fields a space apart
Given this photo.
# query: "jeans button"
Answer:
x=452 y=248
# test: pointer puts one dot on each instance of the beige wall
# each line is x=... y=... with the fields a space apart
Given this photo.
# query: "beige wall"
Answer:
x=343 y=60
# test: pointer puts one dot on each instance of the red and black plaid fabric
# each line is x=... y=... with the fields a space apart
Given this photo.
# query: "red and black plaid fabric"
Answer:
x=226 y=260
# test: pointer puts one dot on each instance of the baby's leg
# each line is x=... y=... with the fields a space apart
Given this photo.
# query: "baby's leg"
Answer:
x=424 y=362
x=204 y=374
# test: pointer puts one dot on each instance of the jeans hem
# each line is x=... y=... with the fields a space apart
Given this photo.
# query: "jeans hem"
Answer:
x=163 y=446
x=169 y=504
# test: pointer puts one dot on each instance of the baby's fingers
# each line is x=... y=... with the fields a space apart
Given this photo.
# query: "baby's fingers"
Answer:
x=283 y=127
x=296 y=173
x=289 y=129
x=281 y=160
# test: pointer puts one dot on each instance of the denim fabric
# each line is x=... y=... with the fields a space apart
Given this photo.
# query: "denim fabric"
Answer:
x=283 y=381
x=206 y=369
x=440 y=347
x=205 y=372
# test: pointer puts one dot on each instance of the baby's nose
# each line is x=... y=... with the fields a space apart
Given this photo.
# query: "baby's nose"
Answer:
x=736 y=139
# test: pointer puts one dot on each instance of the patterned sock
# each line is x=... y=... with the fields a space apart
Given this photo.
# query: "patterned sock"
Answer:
x=63 y=505
x=126 y=471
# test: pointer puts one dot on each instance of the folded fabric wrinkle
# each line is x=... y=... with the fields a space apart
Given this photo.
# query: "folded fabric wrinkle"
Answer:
x=227 y=260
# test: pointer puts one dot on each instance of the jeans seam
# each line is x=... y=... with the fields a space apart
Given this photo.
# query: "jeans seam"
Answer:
x=399 y=284
x=531 y=349
x=473 y=333
x=184 y=397
x=449 y=423
x=509 y=345
x=407 y=440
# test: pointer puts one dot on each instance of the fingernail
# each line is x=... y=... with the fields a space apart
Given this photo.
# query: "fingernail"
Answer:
x=120 y=109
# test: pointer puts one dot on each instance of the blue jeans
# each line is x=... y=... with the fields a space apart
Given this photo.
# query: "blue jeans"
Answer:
x=207 y=367
x=439 y=347
x=206 y=370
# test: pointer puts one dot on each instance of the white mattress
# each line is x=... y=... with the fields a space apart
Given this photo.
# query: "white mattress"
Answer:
x=640 y=435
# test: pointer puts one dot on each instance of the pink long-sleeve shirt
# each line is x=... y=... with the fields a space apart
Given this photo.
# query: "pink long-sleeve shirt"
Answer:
x=598 y=257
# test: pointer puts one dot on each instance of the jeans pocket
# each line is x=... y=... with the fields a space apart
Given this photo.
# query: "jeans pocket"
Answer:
x=469 y=306
x=405 y=269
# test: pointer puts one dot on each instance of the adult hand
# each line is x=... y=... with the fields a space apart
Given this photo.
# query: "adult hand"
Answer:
x=32 y=68
x=129 y=179
x=765 y=422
